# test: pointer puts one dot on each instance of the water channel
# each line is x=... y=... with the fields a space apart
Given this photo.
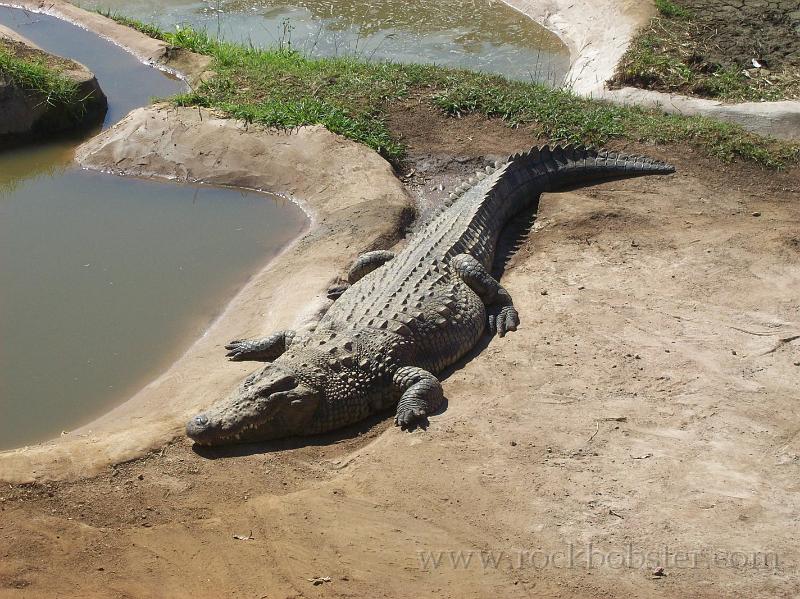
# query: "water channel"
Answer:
x=485 y=35
x=104 y=280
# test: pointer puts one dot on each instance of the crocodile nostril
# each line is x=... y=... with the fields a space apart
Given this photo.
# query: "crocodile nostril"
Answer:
x=201 y=420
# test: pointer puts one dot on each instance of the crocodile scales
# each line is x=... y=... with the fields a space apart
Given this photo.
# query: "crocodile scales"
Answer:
x=402 y=319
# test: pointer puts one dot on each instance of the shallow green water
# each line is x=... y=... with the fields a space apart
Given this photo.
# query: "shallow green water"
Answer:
x=485 y=35
x=104 y=280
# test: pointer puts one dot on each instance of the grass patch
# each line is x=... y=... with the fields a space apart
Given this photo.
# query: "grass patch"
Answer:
x=36 y=74
x=670 y=54
x=351 y=96
x=670 y=9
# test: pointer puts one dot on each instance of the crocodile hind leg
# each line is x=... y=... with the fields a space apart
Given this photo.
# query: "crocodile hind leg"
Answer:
x=260 y=350
x=502 y=314
x=363 y=265
x=421 y=395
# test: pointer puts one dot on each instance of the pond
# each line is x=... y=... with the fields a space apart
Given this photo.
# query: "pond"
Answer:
x=105 y=280
x=485 y=35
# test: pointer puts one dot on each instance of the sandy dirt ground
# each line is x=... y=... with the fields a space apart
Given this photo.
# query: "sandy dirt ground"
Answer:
x=644 y=416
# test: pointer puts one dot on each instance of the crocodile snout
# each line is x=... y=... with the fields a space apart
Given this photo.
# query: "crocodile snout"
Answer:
x=197 y=426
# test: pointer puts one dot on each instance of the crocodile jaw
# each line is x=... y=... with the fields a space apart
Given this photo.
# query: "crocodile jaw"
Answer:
x=268 y=405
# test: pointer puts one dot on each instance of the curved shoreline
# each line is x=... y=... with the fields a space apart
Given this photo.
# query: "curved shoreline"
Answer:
x=194 y=146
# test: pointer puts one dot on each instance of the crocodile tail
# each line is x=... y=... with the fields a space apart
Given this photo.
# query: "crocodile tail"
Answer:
x=564 y=167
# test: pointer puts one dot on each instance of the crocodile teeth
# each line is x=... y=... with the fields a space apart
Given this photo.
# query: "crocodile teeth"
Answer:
x=490 y=169
x=472 y=181
x=480 y=175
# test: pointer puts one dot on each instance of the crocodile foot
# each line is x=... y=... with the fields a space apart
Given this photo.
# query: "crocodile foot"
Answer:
x=410 y=418
x=422 y=394
x=259 y=350
x=335 y=291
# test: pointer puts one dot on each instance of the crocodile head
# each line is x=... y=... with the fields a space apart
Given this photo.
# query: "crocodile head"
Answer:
x=270 y=404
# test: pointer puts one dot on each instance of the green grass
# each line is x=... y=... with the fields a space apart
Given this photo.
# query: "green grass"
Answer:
x=351 y=96
x=670 y=9
x=34 y=75
x=669 y=55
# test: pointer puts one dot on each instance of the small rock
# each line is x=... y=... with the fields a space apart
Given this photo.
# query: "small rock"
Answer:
x=543 y=292
x=513 y=444
x=140 y=477
x=659 y=572
x=733 y=351
x=756 y=214
x=581 y=287
x=797 y=363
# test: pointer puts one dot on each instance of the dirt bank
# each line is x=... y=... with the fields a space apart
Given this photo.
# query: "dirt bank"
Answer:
x=648 y=404
x=27 y=113
x=726 y=59
x=737 y=31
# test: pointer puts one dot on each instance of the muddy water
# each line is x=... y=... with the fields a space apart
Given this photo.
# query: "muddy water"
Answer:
x=104 y=280
x=486 y=35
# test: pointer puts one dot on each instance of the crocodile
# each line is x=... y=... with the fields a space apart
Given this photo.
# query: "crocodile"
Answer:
x=400 y=320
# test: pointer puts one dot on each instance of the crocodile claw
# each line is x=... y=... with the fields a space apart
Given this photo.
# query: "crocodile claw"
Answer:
x=504 y=320
x=409 y=419
x=335 y=291
x=237 y=349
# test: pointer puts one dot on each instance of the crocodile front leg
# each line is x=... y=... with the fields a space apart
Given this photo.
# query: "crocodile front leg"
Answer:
x=422 y=394
x=363 y=265
x=260 y=350
x=502 y=314
x=366 y=263
x=336 y=290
